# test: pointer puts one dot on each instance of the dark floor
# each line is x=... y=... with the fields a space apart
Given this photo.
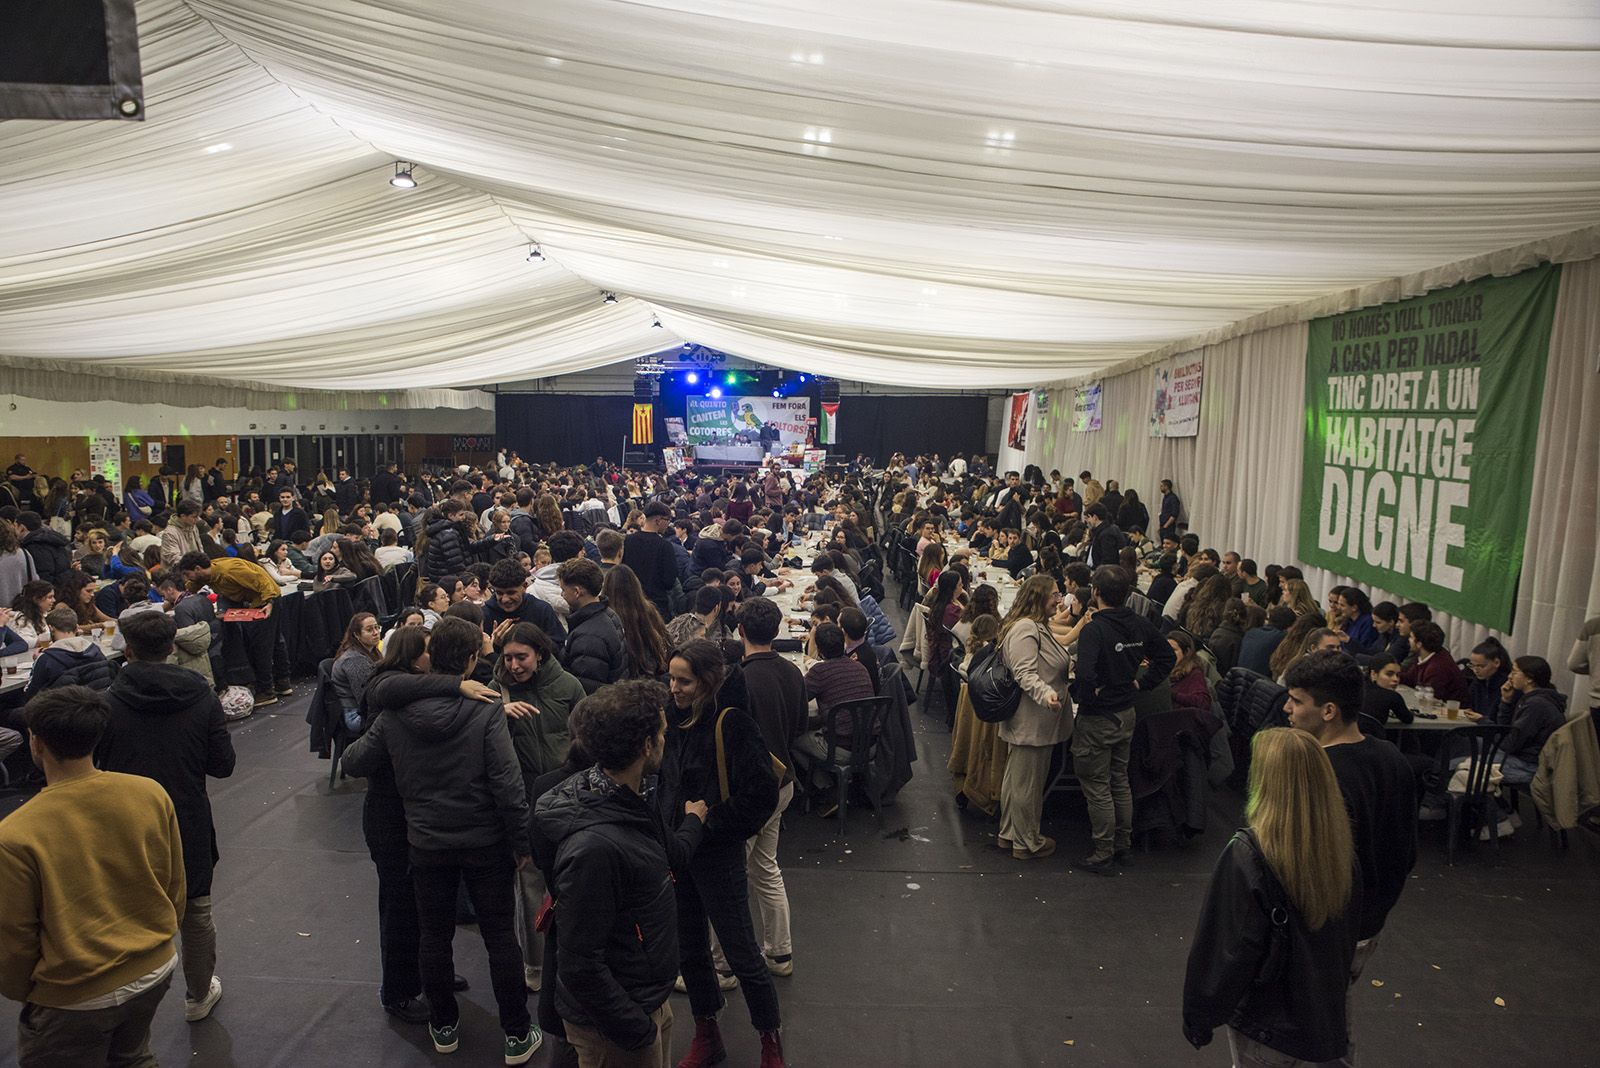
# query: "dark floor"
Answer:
x=916 y=942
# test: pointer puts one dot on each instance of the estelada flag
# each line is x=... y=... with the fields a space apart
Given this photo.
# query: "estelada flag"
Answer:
x=644 y=424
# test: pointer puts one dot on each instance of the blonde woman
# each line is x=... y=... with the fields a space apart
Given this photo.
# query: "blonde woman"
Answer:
x=1043 y=718
x=1272 y=953
x=1297 y=595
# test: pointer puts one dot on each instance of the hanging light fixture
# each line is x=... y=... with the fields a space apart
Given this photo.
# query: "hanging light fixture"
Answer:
x=655 y=321
x=608 y=297
x=534 y=254
x=403 y=178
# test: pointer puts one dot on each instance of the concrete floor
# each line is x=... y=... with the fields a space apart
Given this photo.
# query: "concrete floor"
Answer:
x=916 y=943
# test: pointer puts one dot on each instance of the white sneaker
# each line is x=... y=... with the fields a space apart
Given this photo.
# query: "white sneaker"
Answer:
x=1504 y=830
x=195 y=1011
x=724 y=982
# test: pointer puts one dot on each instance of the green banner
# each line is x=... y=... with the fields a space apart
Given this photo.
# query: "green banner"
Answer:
x=1421 y=424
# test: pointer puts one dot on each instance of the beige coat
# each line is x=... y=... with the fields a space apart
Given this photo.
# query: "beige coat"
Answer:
x=1568 y=780
x=1040 y=665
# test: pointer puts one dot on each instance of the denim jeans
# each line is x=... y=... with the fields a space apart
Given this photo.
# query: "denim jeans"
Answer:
x=490 y=883
x=716 y=888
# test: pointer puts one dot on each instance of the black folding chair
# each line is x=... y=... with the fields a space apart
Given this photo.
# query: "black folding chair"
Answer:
x=1478 y=743
x=866 y=718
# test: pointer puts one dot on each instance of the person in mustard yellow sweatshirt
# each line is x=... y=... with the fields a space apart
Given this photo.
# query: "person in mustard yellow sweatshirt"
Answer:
x=92 y=880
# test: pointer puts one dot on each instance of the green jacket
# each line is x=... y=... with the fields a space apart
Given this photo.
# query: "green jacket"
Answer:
x=541 y=741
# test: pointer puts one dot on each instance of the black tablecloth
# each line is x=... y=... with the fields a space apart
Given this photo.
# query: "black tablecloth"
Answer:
x=312 y=625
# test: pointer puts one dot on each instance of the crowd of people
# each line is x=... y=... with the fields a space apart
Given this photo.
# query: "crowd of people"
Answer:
x=581 y=729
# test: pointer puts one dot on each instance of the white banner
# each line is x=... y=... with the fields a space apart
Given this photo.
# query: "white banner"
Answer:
x=1086 y=408
x=1175 y=409
x=740 y=419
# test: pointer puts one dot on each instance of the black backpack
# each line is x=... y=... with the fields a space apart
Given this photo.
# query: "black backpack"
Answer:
x=993 y=691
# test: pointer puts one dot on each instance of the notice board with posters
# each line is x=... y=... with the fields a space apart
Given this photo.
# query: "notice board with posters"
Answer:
x=1422 y=419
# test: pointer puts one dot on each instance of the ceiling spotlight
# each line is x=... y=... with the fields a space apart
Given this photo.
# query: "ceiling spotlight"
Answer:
x=402 y=176
x=802 y=378
x=716 y=392
x=534 y=255
x=608 y=298
x=655 y=321
x=693 y=378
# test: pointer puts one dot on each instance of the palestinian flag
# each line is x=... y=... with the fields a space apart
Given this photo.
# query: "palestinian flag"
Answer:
x=828 y=425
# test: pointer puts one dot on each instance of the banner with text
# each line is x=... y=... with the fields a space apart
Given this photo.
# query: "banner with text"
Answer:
x=1017 y=424
x=1086 y=408
x=1404 y=402
x=1175 y=410
x=728 y=419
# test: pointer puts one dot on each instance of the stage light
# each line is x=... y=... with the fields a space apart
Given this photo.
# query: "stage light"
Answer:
x=802 y=378
x=693 y=378
x=716 y=392
x=774 y=393
x=403 y=178
x=608 y=298
x=732 y=378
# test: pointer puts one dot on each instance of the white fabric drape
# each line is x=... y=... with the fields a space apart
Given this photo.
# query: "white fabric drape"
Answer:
x=947 y=194
x=1240 y=478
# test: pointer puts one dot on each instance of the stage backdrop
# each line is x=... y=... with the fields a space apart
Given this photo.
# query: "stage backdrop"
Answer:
x=571 y=428
x=1405 y=404
x=725 y=417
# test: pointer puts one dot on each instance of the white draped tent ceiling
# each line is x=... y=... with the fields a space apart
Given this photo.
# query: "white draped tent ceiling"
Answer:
x=929 y=192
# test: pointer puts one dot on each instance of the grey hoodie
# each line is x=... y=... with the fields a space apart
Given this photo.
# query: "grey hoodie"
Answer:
x=456 y=771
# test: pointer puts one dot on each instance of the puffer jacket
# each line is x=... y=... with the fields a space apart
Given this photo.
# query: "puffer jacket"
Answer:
x=51 y=552
x=1533 y=716
x=880 y=631
x=541 y=741
x=616 y=908
x=446 y=550
x=1289 y=995
x=455 y=769
x=595 y=653
x=74 y=661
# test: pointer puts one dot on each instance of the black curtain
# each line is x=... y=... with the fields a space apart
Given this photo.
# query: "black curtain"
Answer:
x=879 y=426
x=564 y=428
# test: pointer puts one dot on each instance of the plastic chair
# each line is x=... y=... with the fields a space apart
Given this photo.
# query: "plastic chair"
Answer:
x=1479 y=743
x=866 y=721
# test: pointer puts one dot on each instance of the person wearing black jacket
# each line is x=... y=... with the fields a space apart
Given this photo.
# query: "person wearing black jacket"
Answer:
x=386 y=486
x=51 y=551
x=1111 y=646
x=1273 y=949
x=742 y=790
x=398 y=680
x=1377 y=782
x=1017 y=558
x=652 y=558
x=466 y=822
x=166 y=723
x=444 y=545
x=288 y=517
x=596 y=651
x=610 y=863
x=1105 y=537
x=346 y=492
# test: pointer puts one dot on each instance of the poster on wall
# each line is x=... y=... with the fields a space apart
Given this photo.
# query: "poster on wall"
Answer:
x=105 y=458
x=1404 y=403
x=741 y=419
x=1017 y=424
x=673 y=456
x=156 y=451
x=1175 y=409
x=1041 y=408
x=676 y=434
x=1086 y=408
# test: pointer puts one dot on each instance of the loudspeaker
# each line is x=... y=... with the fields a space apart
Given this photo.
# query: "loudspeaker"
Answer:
x=828 y=391
x=643 y=389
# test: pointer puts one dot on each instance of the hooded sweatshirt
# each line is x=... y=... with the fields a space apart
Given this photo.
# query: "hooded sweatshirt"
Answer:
x=166 y=723
x=1110 y=649
x=456 y=771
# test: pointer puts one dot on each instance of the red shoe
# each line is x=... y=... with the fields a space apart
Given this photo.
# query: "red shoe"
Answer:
x=771 y=1050
x=706 y=1049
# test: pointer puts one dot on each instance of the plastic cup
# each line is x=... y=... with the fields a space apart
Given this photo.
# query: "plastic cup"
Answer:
x=1452 y=709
